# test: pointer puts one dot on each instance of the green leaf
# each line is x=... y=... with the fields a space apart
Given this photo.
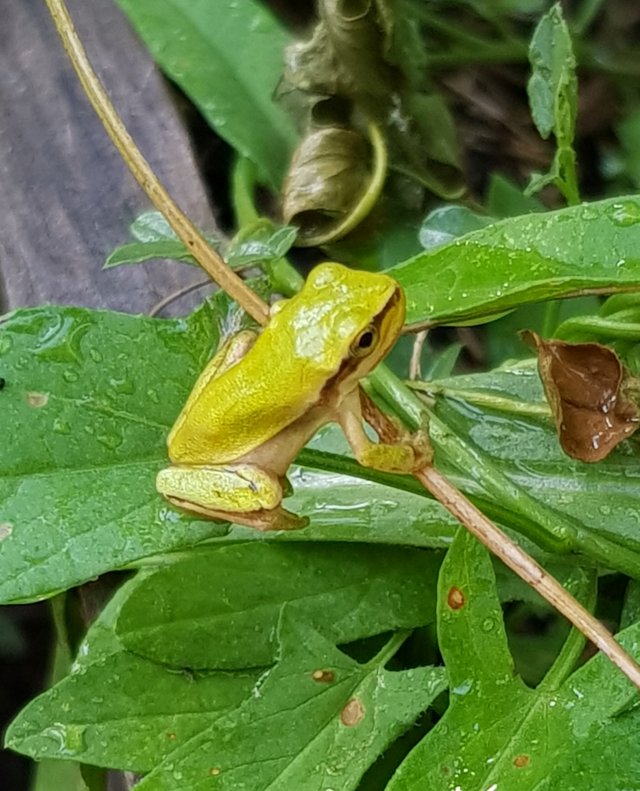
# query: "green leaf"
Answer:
x=504 y=421
x=121 y=711
x=498 y=733
x=553 y=97
x=176 y=616
x=227 y=57
x=592 y=248
x=88 y=401
x=552 y=88
x=446 y=223
x=138 y=252
x=318 y=719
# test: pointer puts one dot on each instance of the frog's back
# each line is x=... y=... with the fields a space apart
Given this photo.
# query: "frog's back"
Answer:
x=248 y=404
x=283 y=375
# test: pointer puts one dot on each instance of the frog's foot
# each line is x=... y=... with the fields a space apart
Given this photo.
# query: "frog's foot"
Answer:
x=411 y=453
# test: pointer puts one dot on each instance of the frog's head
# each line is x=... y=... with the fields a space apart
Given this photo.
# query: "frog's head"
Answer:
x=345 y=321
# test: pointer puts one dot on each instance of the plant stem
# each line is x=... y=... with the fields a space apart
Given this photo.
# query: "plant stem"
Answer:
x=213 y=264
x=389 y=650
x=574 y=644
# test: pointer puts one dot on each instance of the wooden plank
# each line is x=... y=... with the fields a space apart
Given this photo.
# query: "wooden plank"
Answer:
x=66 y=199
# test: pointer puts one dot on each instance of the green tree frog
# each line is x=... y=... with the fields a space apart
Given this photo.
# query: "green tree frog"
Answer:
x=262 y=397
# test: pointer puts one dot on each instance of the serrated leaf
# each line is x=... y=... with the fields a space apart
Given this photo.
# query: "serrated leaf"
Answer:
x=118 y=710
x=227 y=57
x=317 y=720
x=497 y=733
x=586 y=249
x=176 y=616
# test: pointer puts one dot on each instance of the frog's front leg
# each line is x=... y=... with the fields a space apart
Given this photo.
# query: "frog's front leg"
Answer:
x=241 y=493
x=407 y=455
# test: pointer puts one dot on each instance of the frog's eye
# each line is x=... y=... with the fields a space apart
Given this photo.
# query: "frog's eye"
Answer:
x=365 y=342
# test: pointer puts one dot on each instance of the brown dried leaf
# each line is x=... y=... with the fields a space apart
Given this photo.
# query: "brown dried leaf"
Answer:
x=589 y=391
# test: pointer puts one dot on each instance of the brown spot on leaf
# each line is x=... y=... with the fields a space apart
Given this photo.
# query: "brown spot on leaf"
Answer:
x=171 y=736
x=520 y=761
x=593 y=398
x=6 y=528
x=37 y=400
x=455 y=598
x=324 y=676
x=215 y=771
x=352 y=713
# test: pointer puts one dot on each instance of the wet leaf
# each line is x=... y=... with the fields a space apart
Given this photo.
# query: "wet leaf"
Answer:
x=118 y=710
x=498 y=733
x=227 y=57
x=327 y=178
x=176 y=616
x=317 y=719
x=586 y=387
x=505 y=423
x=586 y=249
x=553 y=97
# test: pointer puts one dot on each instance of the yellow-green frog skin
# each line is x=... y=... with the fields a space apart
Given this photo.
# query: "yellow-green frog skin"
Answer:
x=261 y=398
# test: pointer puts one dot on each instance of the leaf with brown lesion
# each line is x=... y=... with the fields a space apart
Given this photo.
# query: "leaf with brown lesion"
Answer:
x=593 y=397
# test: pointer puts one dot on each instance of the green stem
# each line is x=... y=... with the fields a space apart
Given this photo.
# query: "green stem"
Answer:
x=243 y=180
x=389 y=650
x=574 y=644
x=550 y=321
x=284 y=278
x=595 y=325
x=511 y=406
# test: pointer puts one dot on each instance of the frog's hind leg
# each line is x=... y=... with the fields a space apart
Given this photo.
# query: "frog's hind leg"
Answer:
x=240 y=493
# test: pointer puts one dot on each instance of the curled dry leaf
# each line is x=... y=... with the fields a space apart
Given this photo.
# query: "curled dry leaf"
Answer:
x=594 y=399
x=326 y=179
x=346 y=56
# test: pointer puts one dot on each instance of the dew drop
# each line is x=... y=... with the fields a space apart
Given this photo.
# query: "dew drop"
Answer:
x=61 y=426
x=624 y=213
x=110 y=440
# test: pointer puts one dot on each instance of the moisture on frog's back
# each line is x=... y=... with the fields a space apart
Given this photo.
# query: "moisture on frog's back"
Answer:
x=283 y=374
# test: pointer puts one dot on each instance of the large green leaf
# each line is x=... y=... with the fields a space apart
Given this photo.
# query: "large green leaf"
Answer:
x=227 y=56
x=590 y=248
x=498 y=733
x=88 y=400
x=119 y=710
x=318 y=719
x=177 y=615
